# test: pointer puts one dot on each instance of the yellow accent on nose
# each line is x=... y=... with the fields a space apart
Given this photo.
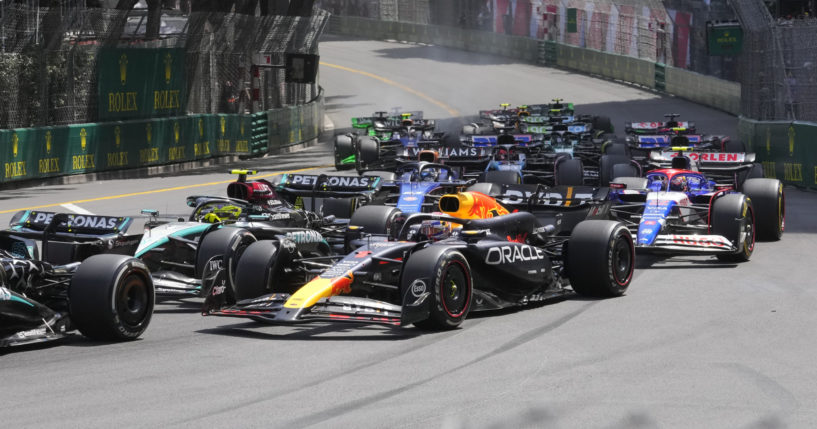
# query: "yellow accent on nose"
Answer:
x=316 y=289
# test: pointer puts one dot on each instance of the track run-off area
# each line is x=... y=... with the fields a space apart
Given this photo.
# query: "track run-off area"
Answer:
x=694 y=343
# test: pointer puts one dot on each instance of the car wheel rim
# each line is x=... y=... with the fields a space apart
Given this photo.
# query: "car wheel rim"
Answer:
x=454 y=289
x=132 y=303
x=622 y=261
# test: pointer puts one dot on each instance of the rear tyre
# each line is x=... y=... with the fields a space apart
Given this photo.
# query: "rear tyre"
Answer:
x=450 y=284
x=368 y=151
x=733 y=146
x=344 y=148
x=500 y=177
x=603 y=123
x=569 y=172
x=732 y=217
x=600 y=258
x=111 y=297
x=606 y=164
x=616 y=149
x=229 y=242
x=769 y=204
x=341 y=208
x=377 y=220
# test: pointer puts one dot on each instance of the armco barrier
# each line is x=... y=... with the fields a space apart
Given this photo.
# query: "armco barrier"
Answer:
x=721 y=94
x=35 y=153
x=788 y=150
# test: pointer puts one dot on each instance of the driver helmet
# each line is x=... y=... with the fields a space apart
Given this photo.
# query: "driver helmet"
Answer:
x=679 y=184
x=435 y=230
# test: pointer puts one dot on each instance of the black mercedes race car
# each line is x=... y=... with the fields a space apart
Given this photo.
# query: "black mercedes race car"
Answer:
x=80 y=283
x=436 y=270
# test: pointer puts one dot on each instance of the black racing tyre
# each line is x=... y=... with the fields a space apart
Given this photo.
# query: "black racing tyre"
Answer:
x=733 y=146
x=500 y=177
x=753 y=172
x=344 y=148
x=637 y=183
x=111 y=297
x=568 y=172
x=616 y=149
x=450 y=283
x=606 y=164
x=229 y=242
x=600 y=258
x=603 y=123
x=376 y=220
x=341 y=208
x=368 y=150
x=625 y=170
x=769 y=204
x=257 y=269
x=732 y=217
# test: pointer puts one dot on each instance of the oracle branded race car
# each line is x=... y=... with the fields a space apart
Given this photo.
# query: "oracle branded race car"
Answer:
x=681 y=211
x=383 y=140
x=433 y=281
x=81 y=282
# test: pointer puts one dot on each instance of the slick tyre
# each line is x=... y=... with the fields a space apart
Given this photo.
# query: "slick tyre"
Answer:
x=600 y=258
x=368 y=151
x=606 y=164
x=376 y=220
x=733 y=217
x=111 y=298
x=341 y=208
x=568 y=172
x=449 y=282
x=257 y=270
x=769 y=204
x=344 y=148
x=500 y=177
x=603 y=123
x=229 y=242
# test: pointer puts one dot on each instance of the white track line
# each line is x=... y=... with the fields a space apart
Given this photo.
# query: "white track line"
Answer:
x=76 y=209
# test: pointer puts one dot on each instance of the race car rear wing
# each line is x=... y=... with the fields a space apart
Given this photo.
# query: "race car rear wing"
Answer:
x=323 y=185
x=34 y=223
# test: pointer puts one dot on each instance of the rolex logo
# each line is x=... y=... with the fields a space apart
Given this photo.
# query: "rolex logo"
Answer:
x=123 y=69
x=201 y=127
x=241 y=128
x=792 y=134
x=48 y=138
x=83 y=138
x=168 y=63
x=223 y=123
x=117 y=133
x=176 y=132
x=15 y=142
x=149 y=130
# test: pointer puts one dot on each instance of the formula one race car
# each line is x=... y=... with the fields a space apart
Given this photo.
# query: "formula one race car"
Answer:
x=438 y=278
x=179 y=252
x=680 y=211
x=647 y=136
x=384 y=137
x=74 y=286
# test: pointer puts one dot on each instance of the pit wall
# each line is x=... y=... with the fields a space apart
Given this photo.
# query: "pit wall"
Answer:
x=44 y=152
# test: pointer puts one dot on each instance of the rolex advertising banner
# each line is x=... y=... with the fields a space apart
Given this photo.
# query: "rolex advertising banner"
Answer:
x=786 y=149
x=141 y=83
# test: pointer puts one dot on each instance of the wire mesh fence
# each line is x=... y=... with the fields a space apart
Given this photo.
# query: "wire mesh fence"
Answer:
x=48 y=58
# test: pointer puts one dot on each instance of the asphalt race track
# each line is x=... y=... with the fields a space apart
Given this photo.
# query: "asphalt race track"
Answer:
x=694 y=343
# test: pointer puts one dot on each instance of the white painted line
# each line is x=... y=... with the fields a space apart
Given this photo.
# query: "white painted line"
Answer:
x=76 y=209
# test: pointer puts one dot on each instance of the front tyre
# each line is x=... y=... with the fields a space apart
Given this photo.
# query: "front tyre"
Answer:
x=450 y=284
x=733 y=217
x=600 y=258
x=769 y=204
x=111 y=298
